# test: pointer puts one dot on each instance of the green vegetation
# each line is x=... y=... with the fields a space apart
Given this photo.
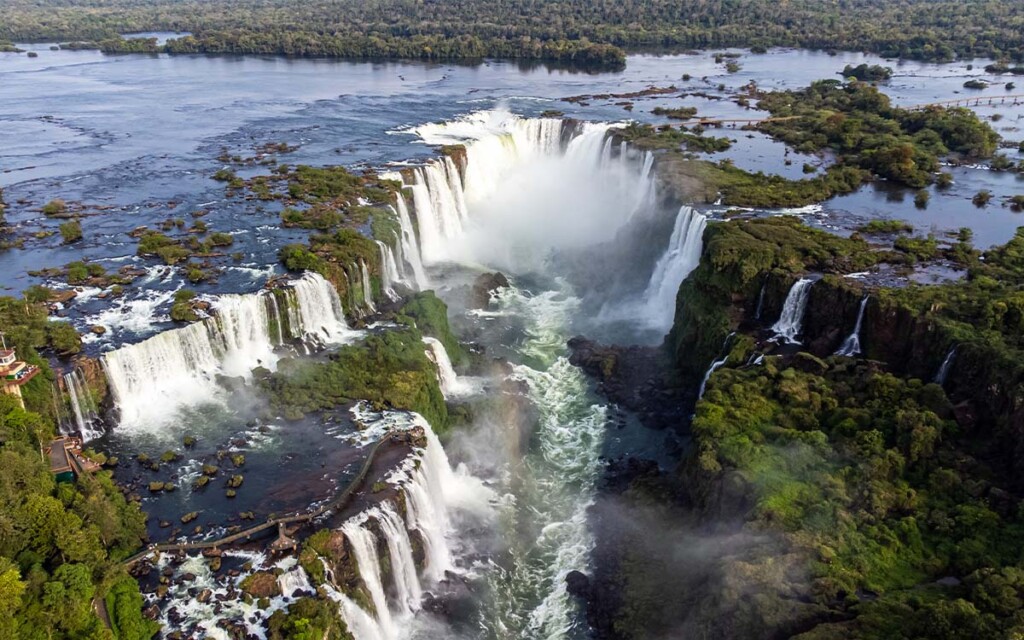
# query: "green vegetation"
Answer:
x=430 y=316
x=71 y=231
x=61 y=542
x=391 y=370
x=556 y=30
x=644 y=136
x=886 y=226
x=308 y=619
x=859 y=124
x=866 y=72
x=55 y=207
x=868 y=484
x=678 y=113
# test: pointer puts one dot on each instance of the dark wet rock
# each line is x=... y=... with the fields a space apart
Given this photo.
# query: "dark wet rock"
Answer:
x=639 y=379
x=484 y=289
x=204 y=596
x=577 y=584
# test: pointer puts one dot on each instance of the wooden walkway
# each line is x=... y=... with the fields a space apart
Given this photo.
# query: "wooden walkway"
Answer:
x=280 y=523
x=977 y=101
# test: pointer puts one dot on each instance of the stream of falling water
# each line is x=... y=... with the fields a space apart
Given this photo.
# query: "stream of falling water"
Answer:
x=546 y=523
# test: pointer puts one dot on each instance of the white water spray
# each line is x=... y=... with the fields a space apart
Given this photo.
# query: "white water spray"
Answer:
x=947 y=364
x=851 y=346
x=83 y=406
x=150 y=380
x=678 y=261
x=790 y=322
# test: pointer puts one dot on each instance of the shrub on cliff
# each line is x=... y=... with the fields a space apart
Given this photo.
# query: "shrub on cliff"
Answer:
x=390 y=370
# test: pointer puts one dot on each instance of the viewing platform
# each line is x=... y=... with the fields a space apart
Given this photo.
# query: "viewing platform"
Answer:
x=66 y=460
x=14 y=373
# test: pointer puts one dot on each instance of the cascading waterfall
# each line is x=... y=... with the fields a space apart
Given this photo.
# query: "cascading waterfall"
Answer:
x=715 y=365
x=681 y=258
x=446 y=376
x=498 y=144
x=431 y=487
x=760 y=300
x=851 y=346
x=791 y=320
x=151 y=379
x=364 y=547
x=407 y=582
x=409 y=244
x=83 y=406
x=364 y=276
x=947 y=364
x=389 y=274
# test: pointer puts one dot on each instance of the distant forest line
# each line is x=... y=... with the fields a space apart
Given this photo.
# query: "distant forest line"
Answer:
x=587 y=31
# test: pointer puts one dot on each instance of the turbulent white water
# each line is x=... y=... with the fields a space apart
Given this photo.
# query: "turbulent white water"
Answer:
x=451 y=384
x=851 y=346
x=364 y=274
x=546 y=522
x=432 y=490
x=389 y=274
x=84 y=412
x=410 y=245
x=553 y=194
x=791 y=320
x=154 y=378
x=681 y=257
x=947 y=364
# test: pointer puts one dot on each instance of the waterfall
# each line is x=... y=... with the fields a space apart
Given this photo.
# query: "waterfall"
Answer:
x=431 y=487
x=947 y=364
x=409 y=243
x=83 y=406
x=450 y=384
x=149 y=380
x=707 y=376
x=715 y=365
x=389 y=274
x=407 y=583
x=681 y=257
x=851 y=346
x=760 y=300
x=646 y=194
x=364 y=547
x=294 y=580
x=364 y=273
x=791 y=320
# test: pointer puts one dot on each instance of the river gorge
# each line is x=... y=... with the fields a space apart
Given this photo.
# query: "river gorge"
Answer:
x=512 y=319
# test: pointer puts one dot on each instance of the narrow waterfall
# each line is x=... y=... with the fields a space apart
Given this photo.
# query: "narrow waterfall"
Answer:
x=410 y=245
x=388 y=271
x=364 y=547
x=646 y=194
x=715 y=365
x=851 y=346
x=407 y=582
x=707 y=376
x=760 y=300
x=151 y=379
x=947 y=364
x=791 y=320
x=364 y=274
x=681 y=257
x=361 y=624
x=450 y=383
x=294 y=580
x=83 y=406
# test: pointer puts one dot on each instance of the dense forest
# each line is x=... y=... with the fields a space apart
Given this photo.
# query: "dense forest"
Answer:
x=60 y=542
x=594 y=30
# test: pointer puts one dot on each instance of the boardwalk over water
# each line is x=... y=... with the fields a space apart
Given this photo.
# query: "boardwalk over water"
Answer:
x=281 y=523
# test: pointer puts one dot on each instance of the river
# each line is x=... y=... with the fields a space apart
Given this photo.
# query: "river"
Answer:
x=136 y=139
